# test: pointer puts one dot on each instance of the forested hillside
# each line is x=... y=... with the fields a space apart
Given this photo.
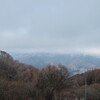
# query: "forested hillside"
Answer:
x=19 y=81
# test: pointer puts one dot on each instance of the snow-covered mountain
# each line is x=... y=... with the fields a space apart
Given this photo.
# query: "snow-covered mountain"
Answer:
x=75 y=63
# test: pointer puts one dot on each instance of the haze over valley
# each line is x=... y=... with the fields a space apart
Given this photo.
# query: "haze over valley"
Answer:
x=76 y=63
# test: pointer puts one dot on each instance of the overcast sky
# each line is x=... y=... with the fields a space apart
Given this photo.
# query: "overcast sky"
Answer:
x=60 y=26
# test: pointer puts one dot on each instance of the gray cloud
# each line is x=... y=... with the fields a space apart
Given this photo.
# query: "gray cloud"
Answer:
x=50 y=25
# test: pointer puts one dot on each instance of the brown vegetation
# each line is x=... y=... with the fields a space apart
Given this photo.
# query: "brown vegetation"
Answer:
x=24 y=82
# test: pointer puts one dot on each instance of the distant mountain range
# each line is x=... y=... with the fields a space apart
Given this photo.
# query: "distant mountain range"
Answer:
x=76 y=63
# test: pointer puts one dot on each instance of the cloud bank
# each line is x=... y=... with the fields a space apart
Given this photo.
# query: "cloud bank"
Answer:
x=61 y=26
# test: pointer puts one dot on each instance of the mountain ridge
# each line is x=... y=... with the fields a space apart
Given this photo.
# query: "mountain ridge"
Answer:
x=76 y=63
